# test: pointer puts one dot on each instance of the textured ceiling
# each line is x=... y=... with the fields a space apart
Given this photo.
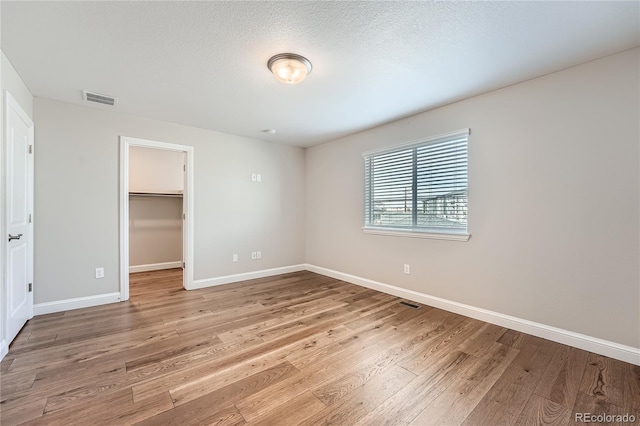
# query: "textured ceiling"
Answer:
x=203 y=64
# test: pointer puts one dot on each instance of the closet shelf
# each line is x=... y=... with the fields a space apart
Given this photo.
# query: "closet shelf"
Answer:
x=155 y=194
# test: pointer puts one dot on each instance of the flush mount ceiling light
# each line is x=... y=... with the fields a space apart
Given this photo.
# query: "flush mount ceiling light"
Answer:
x=289 y=68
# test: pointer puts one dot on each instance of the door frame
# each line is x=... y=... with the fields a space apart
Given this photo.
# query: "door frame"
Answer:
x=187 y=229
x=10 y=103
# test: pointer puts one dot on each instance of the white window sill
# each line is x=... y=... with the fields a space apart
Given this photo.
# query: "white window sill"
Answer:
x=412 y=233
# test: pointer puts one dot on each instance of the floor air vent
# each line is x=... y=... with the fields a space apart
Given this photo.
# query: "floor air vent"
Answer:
x=98 y=98
x=411 y=305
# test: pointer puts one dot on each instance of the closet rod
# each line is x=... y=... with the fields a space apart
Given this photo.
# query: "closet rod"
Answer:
x=153 y=194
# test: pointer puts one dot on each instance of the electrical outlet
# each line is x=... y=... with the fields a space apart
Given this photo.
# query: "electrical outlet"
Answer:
x=235 y=257
x=258 y=255
x=99 y=273
x=259 y=177
x=407 y=269
x=254 y=255
x=253 y=177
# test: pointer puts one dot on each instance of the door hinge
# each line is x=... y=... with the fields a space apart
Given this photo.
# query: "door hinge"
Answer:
x=182 y=264
x=30 y=218
x=30 y=287
x=30 y=149
x=184 y=216
x=184 y=167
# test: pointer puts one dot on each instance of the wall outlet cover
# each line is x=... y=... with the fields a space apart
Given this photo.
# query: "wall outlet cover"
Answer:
x=99 y=273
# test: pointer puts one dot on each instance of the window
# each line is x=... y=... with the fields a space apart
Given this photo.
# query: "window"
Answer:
x=419 y=189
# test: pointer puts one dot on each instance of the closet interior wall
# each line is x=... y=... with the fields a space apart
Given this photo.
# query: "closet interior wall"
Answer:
x=156 y=184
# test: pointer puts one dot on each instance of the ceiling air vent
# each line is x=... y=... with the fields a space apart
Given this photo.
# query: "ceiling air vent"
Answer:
x=98 y=98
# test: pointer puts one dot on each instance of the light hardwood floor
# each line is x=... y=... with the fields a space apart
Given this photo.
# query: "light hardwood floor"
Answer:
x=299 y=348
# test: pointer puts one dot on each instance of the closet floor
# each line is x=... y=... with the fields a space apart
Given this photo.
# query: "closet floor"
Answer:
x=148 y=285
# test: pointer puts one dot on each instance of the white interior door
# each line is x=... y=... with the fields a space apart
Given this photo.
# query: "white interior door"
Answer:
x=19 y=223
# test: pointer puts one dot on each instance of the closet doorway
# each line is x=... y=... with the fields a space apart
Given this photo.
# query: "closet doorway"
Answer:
x=156 y=208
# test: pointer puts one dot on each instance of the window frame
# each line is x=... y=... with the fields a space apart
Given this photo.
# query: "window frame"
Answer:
x=414 y=232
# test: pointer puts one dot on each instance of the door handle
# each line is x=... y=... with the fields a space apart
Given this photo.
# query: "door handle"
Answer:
x=14 y=237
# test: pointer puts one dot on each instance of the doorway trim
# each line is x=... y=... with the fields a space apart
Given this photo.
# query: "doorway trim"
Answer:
x=187 y=232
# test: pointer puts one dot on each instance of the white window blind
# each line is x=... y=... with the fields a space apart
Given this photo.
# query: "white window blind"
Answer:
x=420 y=186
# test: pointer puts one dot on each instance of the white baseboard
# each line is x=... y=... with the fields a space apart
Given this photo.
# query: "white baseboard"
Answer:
x=103 y=299
x=75 y=303
x=155 y=266
x=228 y=279
x=4 y=349
x=581 y=341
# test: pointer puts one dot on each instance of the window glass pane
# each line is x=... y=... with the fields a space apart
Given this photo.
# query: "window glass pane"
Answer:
x=442 y=185
x=391 y=189
x=423 y=186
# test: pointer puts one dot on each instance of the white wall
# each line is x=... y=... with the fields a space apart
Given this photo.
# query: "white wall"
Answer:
x=553 y=203
x=10 y=82
x=155 y=170
x=77 y=199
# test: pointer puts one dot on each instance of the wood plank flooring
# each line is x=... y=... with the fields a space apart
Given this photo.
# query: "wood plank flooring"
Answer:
x=293 y=349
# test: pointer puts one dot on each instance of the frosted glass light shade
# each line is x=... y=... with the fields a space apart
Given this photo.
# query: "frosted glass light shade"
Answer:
x=289 y=68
